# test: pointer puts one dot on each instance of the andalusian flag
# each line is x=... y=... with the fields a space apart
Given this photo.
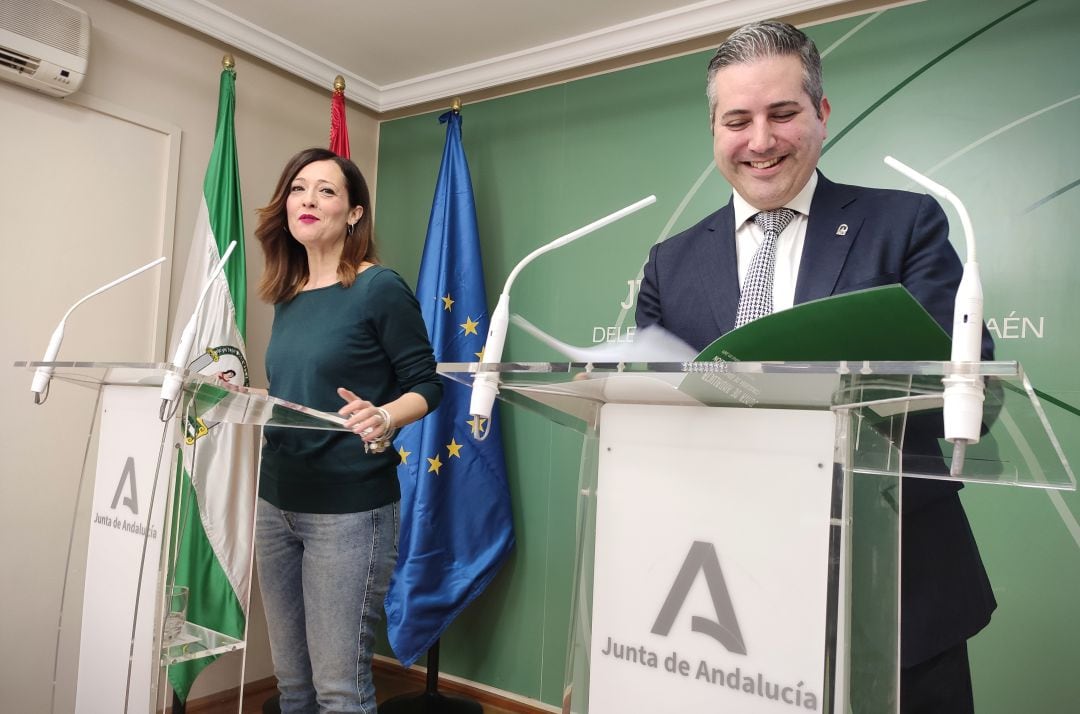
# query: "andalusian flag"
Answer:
x=216 y=505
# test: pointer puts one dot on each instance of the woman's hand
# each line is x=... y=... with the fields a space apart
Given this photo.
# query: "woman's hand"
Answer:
x=361 y=416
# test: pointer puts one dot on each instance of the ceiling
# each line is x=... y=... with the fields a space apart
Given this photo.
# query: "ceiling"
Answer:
x=396 y=54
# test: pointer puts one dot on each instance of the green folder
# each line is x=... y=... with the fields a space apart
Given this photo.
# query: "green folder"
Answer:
x=878 y=324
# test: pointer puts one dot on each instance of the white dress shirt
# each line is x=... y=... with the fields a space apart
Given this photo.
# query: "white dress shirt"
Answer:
x=789 y=245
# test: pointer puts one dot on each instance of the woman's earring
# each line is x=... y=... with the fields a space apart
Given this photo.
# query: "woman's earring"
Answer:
x=349 y=229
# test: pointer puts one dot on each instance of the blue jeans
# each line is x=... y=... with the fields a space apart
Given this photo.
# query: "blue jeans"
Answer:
x=323 y=578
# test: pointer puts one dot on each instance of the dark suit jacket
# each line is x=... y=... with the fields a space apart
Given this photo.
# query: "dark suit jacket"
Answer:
x=691 y=288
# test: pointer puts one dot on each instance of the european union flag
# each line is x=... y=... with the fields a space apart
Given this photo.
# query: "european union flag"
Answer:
x=456 y=525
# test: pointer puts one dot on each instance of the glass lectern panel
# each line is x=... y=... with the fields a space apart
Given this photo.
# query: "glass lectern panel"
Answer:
x=215 y=401
x=210 y=398
x=891 y=399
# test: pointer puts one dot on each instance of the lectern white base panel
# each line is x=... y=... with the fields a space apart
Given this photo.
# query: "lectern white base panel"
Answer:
x=117 y=660
x=711 y=559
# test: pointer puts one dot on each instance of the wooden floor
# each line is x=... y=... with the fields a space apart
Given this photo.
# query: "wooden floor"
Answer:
x=387 y=685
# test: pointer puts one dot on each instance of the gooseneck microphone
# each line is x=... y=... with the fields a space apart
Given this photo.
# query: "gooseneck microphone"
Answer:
x=43 y=374
x=173 y=381
x=963 y=392
x=486 y=384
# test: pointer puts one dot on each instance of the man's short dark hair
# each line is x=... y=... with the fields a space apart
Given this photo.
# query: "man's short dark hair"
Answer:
x=767 y=39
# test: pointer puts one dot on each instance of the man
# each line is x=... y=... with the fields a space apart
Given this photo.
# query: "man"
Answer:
x=790 y=235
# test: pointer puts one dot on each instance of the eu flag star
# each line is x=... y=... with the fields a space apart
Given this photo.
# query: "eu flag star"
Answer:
x=470 y=326
x=404 y=454
x=454 y=448
x=434 y=465
x=447 y=302
x=476 y=423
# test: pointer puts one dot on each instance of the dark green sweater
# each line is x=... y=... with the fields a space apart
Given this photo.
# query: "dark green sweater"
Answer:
x=368 y=338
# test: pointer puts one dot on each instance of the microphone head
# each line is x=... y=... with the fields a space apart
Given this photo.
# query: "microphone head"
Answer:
x=484 y=390
x=42 y=375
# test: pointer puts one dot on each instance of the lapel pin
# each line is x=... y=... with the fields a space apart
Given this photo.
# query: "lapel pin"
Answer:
x=841 y=230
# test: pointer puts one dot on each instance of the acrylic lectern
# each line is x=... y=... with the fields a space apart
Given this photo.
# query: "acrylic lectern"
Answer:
x=738 y=531
x=122 y=623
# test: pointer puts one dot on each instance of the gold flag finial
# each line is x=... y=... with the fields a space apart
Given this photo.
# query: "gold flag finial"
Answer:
x=339 y=83
x=227 y=62
x=455 y=105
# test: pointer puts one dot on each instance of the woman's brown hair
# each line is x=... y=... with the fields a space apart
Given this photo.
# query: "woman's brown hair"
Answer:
x=286 y=269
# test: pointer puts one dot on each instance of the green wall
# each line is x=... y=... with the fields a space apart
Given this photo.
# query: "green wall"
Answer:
x=982 y=95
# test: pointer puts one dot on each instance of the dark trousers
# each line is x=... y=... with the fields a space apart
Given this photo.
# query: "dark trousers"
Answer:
x=940 y=685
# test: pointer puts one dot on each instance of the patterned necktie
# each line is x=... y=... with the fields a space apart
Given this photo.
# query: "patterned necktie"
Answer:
x=756 y=298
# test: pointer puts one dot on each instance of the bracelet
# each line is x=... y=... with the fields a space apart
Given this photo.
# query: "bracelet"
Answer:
x=381 y=442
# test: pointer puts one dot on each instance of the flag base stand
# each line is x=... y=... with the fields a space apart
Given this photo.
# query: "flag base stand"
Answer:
x=430 y=701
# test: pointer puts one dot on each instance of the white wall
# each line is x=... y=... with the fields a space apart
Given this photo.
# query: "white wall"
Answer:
x=164 y=79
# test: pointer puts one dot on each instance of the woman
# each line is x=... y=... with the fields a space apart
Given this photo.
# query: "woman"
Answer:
x=345 y=328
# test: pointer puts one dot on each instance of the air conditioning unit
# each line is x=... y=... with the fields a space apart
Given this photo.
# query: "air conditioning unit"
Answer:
x=44 y=45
